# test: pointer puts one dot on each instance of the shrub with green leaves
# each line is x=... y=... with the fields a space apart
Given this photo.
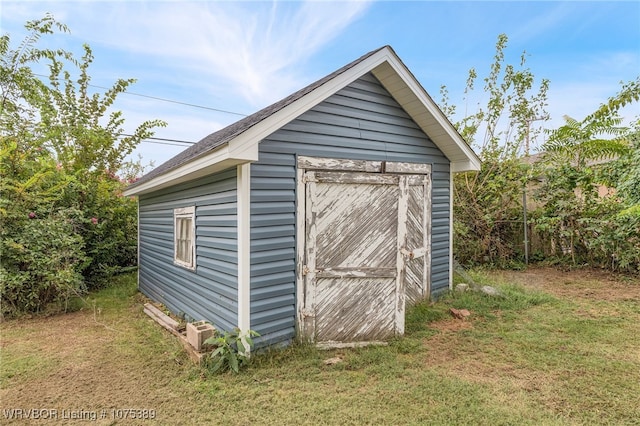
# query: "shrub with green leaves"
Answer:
x=488 y=204
x=42 y=262
x=109 y=224
x=232 y=350
x=580 y=224
x=65 y=225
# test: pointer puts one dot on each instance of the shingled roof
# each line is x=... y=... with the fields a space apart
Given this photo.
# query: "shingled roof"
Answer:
x=382 y=62
x=224 y=135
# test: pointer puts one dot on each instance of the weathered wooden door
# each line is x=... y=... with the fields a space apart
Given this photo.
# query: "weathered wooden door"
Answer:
x=365 y=251
x=417 y=247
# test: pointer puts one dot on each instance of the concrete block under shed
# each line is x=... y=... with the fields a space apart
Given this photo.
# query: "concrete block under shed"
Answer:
x=198 y=332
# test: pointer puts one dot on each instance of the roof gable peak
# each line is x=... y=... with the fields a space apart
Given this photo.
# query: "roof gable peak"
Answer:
x=238 y=142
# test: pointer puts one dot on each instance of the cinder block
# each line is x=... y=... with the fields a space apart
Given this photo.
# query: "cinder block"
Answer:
x=198 y=332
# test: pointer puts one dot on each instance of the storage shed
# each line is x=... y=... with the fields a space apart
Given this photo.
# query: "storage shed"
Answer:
x=322 y=215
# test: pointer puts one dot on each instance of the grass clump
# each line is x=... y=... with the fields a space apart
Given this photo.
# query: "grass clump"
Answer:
x=527 y=357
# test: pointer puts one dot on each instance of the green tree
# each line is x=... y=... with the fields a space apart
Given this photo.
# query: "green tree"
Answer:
x=580 y=158
x=628 y=166
x=487 y=204
x=65 y=224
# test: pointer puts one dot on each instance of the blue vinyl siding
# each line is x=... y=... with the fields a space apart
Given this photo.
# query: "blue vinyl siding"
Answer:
x=211 y=291
x=361 y=121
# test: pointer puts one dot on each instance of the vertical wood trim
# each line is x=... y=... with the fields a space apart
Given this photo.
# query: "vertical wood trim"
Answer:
x=244 y=246
x=451 y=228
x=403 y=206
x=300 y=247
x=310 y=256
x=427 y=235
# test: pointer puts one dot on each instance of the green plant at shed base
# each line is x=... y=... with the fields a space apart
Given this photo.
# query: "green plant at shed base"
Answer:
x=232 y=350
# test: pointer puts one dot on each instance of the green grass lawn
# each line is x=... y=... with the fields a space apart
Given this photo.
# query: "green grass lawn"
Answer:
x=533 y=356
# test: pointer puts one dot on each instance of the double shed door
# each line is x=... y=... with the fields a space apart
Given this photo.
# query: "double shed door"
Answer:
x=366 y=247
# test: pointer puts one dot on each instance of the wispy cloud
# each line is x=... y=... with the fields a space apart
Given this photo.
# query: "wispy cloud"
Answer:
x=256 y=49
x=233 y=55
x=239 y=56
x=541 y=23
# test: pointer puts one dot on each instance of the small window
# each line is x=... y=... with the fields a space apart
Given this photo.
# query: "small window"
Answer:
x=184 y=227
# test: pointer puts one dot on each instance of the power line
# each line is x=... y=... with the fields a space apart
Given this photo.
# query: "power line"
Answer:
x=165 y=100
x=164 y=141
x=175 y=102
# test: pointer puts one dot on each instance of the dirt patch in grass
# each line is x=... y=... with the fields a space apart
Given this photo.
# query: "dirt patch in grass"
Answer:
x=90 y=360
x=591 y=284
x=451 y=325
x=554 y=363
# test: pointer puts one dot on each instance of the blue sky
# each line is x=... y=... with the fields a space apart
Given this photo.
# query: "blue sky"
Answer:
x=241 y=56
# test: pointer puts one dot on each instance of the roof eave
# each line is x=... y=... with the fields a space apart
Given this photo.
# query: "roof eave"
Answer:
x=465 y=166
x=215 y=161
x=244 y=146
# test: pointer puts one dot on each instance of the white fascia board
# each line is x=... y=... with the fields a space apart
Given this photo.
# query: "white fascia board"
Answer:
x=471 y=162
x=216 y=161
x=465 y=166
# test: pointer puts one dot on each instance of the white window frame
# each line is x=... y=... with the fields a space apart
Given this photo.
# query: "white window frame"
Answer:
x=178 y=214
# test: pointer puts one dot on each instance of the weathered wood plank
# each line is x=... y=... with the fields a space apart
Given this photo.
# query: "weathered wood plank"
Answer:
x=356 y=178
x=407 y=168
x=314 y=163
x=357 y=272
x=416 y=246
x=165 y=320
x=308 y=313
x=427 y=214
x=328 y=345
x=403 y=206
x=356 y=225
x=355 y=309
x=300 y=249
x=415 y=180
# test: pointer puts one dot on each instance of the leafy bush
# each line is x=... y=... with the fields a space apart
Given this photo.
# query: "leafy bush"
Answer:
x=581 y=224
x=109 y=225
x=230 y=354
x=65 y=224
x=42 y=261
x=614 y=241
x=488 y=213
